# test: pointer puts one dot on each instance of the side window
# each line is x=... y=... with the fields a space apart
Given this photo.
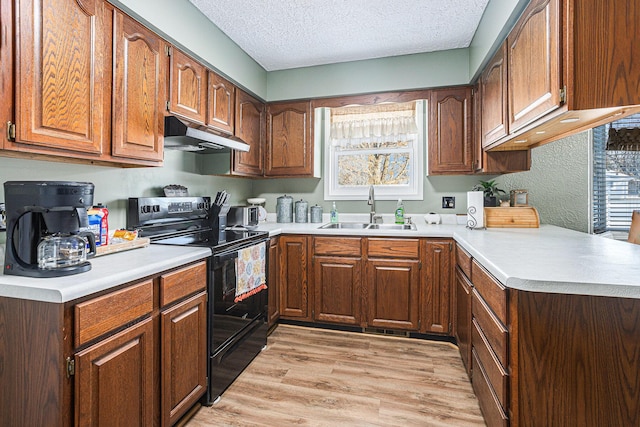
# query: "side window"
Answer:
x=616 y=175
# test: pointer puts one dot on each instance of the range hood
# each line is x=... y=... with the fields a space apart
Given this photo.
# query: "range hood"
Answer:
x=184 y=136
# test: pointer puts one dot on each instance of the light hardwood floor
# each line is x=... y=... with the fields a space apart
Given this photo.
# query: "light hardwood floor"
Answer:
x=316 y=377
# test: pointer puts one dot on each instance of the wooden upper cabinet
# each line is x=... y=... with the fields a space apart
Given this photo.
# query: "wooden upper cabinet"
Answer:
x=450 y=131
x=63 y=64
x=188 y=97
x=533 y=51
x=493 y=87
x=249 y=126
x=6 y=67
x=139 y=92
x=221 y=100
x=289 y=140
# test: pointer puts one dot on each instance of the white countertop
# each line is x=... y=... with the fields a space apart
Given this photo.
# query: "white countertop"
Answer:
x=106 y=272
x=546 y=259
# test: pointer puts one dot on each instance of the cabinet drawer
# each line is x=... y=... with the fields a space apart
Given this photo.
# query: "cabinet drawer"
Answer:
x=180 y=283
x=463 y=259
x=108 y=312
x=394 y=248
x=493 y=292
x=341 y=246
x=493 y=413
x=495 y=372
x=493 y=330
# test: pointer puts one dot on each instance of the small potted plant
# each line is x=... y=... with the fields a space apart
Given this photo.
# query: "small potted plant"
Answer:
x=491 y=192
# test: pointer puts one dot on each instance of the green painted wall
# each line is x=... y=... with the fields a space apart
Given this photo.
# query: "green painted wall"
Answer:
x=446 y=68
x=497 y=20
x=113 y=186
x=558 y=182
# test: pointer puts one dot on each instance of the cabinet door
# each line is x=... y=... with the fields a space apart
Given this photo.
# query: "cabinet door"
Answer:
x=289 y=142
x=437 y=288
x=493 y=86
x=139 y=92
x=274 y=282
x=294 y=293
x=534 y=63
x=6 y=68
x=188 y=92
x=183 y=376
x=114 y=379
x=450 y=132
x=63 y=64
x=337 y=289
x=463 y=318
x=221 y=100
x=250 y=123
x=392 y=297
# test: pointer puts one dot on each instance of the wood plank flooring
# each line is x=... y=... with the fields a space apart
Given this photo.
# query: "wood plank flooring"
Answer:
x=317 y=377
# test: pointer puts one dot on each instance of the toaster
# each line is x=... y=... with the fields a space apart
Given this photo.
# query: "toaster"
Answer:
x=245 y=216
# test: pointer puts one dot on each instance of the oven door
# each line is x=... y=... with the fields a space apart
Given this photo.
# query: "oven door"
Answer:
x=233 y=303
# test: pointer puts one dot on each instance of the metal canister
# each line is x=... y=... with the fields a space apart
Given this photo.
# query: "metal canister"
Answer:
x=284 y=209
x=316 y=213
x=302 y=211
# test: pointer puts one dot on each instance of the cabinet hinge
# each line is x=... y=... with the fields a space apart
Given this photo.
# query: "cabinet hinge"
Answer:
x=11 y=131
x=420 y=265
x=71 y=367
x=450 y=246
x=167 y=50
x=168 y=105
x=563 y=94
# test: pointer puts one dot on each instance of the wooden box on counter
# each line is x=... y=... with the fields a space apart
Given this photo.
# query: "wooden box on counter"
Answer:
x=516 y=217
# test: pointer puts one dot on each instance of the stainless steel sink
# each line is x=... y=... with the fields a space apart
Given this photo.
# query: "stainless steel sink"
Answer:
x=391 y=227
x=363 y=226
x=341 y=225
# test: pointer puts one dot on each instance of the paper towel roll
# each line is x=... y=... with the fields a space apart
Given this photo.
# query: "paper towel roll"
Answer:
x=475 y=209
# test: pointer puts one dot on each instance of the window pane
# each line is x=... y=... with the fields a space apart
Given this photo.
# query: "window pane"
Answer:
x=374 y=169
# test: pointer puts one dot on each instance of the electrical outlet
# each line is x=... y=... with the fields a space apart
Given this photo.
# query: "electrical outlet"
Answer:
x=448 y=202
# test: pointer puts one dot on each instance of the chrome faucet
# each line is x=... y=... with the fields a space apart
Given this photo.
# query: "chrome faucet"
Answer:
x=372 y=202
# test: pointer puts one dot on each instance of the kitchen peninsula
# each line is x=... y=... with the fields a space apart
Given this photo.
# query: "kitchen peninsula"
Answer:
x=556 y=317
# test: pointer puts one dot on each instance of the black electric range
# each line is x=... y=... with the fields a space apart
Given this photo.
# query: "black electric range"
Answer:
x=236 y=281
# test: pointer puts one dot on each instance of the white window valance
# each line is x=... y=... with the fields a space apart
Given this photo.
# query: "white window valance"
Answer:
x=373 y=123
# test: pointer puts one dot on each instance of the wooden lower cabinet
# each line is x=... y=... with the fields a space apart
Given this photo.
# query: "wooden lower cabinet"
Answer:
x=294 y=292
x=337 y=289
x=436 y=300
x=463 y=318
x=273 y=308
x=114 y=379
x=120 y=357
x=183 y=361
x=392 y=296
x=370 y=282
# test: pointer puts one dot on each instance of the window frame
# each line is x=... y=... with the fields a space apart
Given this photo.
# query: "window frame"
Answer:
x=413 y=191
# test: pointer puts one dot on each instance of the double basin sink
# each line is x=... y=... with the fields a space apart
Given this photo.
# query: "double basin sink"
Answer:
x=367 y=226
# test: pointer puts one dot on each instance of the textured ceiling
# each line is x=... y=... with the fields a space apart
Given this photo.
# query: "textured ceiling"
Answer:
x=282 y=34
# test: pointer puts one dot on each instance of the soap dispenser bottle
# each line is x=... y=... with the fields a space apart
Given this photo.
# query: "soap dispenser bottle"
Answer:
x=400 y=212
x=334 y=214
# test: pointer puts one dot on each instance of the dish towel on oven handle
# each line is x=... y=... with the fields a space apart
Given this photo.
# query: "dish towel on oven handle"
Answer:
x=251 y=271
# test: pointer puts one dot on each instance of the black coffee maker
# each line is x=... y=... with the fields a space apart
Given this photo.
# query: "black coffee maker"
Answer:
x=47 y=233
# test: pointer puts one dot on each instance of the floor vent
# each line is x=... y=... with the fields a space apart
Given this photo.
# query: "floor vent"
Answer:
x=382 y=331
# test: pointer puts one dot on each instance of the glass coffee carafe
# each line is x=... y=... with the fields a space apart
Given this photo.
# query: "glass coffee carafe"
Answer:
x=60 y=251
